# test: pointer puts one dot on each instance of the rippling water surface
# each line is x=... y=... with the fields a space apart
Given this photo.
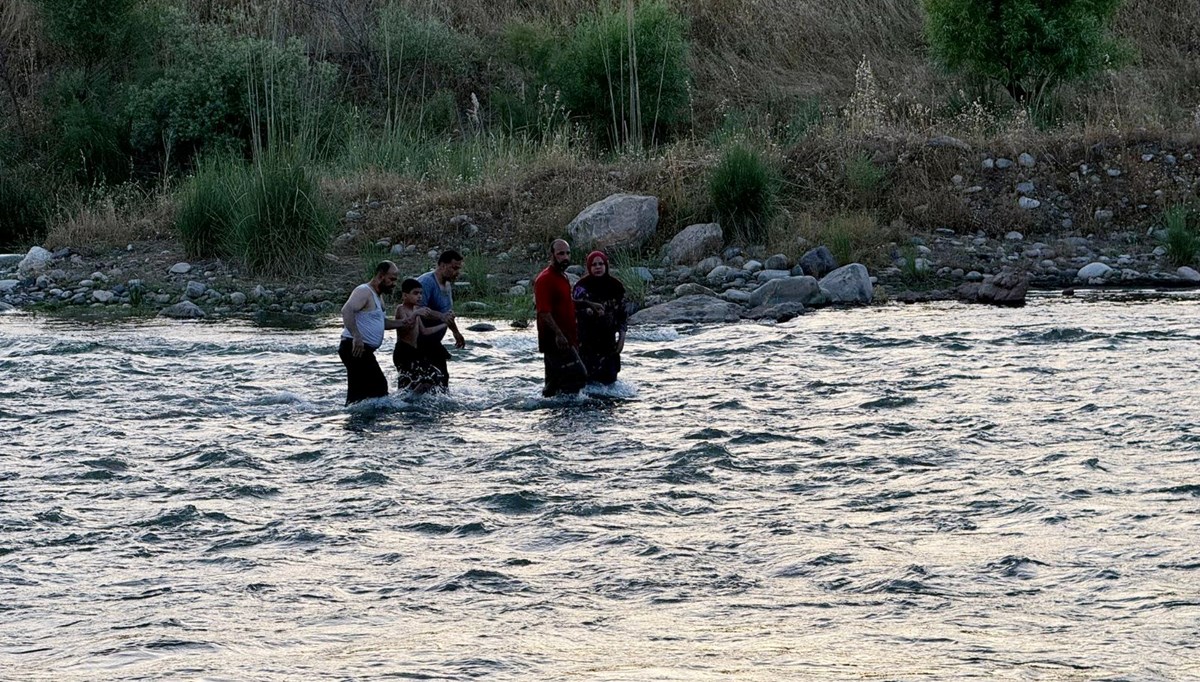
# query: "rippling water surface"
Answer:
x=935 y=492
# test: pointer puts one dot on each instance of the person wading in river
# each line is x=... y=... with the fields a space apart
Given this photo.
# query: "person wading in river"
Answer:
x=438 y=290
x=364 y=323
x=415 y=371
x=558 y=339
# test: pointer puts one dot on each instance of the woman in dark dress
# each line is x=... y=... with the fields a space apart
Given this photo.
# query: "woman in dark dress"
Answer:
x=600 y=311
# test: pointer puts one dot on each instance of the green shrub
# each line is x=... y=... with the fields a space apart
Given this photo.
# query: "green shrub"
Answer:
x=627 y=97
x=864 y=179
x=219 y=92
x=22 y=209
x=416 y=55
x=89 y=135
x=475 y=270
x=1026 y=46
x=93 y=32
x=284 y=226
x=1182 y=239
x=743 y=190
x=208 y=210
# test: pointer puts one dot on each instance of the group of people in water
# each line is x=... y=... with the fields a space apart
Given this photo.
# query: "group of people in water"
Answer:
x=580 y=326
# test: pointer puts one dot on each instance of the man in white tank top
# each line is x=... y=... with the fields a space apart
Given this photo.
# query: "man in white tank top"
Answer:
x=364 y=321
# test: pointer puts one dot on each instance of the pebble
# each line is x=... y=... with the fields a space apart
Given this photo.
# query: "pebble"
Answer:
x=1004 y=164
x=1026 y=160
x=1029 y=204
x=181 y=268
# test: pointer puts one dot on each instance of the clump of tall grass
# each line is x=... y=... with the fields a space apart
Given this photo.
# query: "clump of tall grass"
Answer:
x=1182 y=239
x=208 y=207
x=268 y=214
x=743 y=189
x=864 y=179
x=475 y=270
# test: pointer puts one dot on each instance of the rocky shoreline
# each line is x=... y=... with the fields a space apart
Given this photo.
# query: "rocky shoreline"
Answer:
x=1091 y=212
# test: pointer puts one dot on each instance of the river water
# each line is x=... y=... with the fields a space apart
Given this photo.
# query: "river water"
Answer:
x=923 y=492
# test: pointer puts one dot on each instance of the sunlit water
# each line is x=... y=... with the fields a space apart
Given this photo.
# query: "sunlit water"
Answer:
x=926 y=492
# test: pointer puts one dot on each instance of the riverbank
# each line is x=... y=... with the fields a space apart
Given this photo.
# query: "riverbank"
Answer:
x=938 y=216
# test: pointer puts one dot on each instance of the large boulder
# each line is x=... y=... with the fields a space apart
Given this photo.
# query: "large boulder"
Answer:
x=1092 y=271
x=1188 y=275
x=694 y=243
x=818 y=262
x=803 y=290
x=849 y=284
x=184 y=310
x=7 y=285
x=689 y=310
x=34 y=262
x=621 y=221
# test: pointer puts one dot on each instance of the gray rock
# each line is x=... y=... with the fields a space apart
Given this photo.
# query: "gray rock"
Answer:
x=616 y=222
x=1029 y=204
x=1188 y=274
x=988 y=163
x=849 y=284
x=1093 y=271
x=102 y=296
x=818 y=262
x=802 y=290
x=695 y=242
x=1114 y=172
x=180 y=268
x=945 y=141
x=693 y=289
x=184 y=310
x=689 y=310
x=1026 y=160
x=1014 y=236
x=516 y=290
x=642 y=273
x=752 y=266
x=1025 y=188
x=708 y=264
x=482 y=327
x=34 y=262
x=194 y=289
x=8 y=285
x=780 y=312
x=237 y=298
x=1008 y=288
x=736 y=296
x=777 y=262
x=1004 y=164
x=721 y=273
x=1103 y=216
x=353 y=216
x=310 y=309
x=768 y=275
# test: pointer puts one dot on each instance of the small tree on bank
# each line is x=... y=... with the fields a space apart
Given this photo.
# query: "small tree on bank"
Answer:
x=1028 y=47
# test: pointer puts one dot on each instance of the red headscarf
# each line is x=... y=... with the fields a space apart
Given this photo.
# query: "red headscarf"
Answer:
x=602 y=288
x=591 y=258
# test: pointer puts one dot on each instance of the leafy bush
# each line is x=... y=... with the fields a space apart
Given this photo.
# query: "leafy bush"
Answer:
x=415 y=55
x=626 y=77
x=1182 y=239
x=220 y=91
x=1026 y=46
x=743 y=190
x=98 y=31
x=89 y=138
x=22 y=211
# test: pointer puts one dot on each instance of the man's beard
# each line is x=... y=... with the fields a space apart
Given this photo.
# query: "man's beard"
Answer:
x=386 y=288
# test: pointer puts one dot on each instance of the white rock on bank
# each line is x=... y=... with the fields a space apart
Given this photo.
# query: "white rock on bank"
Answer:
x=7 y=285
x=695 y=242
x=1093 y=271
x=616 y=222
x=689 y=310
x=184 y=310
x=34 y=262
x=1188 y=274
x=803 y=290
x=180 y=268
x=102 y=296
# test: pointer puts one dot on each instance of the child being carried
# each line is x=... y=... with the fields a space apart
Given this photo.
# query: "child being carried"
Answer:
x=410 y=357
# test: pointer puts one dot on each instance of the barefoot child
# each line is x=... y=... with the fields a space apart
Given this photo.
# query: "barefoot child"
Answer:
x=415 y=370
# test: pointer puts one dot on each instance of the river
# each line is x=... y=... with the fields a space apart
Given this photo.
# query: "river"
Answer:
x=925 y=492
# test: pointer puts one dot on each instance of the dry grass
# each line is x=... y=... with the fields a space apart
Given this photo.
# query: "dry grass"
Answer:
x=96 y=227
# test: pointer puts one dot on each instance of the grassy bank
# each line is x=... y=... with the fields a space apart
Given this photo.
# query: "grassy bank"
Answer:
x=791 y=123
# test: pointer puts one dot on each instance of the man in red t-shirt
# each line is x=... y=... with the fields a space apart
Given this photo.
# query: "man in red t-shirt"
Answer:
x=558 y=338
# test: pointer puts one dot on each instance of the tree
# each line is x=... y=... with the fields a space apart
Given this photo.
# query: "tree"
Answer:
x=1028 y=47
